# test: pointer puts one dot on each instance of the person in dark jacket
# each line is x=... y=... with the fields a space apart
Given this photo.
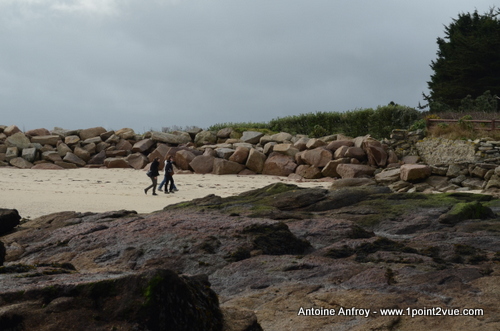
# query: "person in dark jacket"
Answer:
x=169 y=172
x=153 y=174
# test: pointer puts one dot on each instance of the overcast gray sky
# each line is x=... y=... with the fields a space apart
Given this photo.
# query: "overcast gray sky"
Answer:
x=148 y=64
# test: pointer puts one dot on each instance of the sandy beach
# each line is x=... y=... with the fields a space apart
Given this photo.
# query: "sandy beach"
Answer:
x=40 y=192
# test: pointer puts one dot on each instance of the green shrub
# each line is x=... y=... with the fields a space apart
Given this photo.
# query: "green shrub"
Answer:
x=318 y=132
x=464 y=123
x=418 y=125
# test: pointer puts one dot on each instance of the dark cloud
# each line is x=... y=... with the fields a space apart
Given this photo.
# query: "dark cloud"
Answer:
x=150 y=64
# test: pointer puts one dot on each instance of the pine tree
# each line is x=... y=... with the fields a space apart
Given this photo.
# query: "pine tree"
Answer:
x=468 y=62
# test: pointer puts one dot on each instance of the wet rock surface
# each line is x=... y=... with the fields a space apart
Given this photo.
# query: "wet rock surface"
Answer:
x=273 y=254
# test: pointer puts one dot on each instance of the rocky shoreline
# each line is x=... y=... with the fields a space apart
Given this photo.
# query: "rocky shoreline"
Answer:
x=279 y=257
x=268 y=254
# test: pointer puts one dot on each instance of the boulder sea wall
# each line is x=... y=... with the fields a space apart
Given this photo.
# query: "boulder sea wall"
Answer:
x=464 y=165
x=279 y=154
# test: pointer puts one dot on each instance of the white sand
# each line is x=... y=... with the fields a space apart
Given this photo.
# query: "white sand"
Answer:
x=40 y=192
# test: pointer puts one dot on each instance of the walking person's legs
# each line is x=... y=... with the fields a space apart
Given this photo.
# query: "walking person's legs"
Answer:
x=168 y=184
x=162 y=183
x=154 y=181
x=172 y=185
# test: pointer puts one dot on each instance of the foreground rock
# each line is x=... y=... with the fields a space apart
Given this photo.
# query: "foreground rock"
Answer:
x=271 y=254
x=9 y=219
x=54 y=297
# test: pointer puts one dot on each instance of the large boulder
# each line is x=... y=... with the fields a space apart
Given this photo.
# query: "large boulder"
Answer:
x=224 y=152
x=286 y=149
x=170 y=138
x=72 y=158
x=340 y=152
x=160 y=151
x=205 y=138
x=71 y=140
x=137 y=160
x=240 y=155
x=21 y=163
x=38 y=132
x=301 y=143
x=63 y=132
x=308 y=171
x=29 y=154
x=113 y=139
x=98 y=158
x=255 y=161
x=355 y=170
x=202 y=164
x=388 y=176
x=63 y=149
x=377 y=156
x=105 y=136
x=183 y=158
x=336 y=144
x=142 y=146
x=278 y=164
x=116 y=162
x=415 y=172
x=318 y=157
x=91 y=132
x=356 y=153
x=330 y=169
x=315 y=143
x=124 y=145
x=269 y=147
x=11 y=153
x=18 y=140
x=46 y=140
x=224 y=133
x=225 y=167
x=91 y=148
x=9 y=219
x=10 y=130
x=281 y=137
x=51 y=156
x=125 y=133
x=251 y=137
x=82 y=153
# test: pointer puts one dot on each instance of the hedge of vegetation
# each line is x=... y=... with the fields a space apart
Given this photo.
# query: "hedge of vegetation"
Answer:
x=377 y=122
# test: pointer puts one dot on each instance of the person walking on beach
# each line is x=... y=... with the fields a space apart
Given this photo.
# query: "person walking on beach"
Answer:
x=169 y=172
x=153 y=174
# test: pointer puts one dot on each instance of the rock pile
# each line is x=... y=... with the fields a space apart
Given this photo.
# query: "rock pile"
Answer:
x=223 y=152
x=443 y=164
x=406 y=162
